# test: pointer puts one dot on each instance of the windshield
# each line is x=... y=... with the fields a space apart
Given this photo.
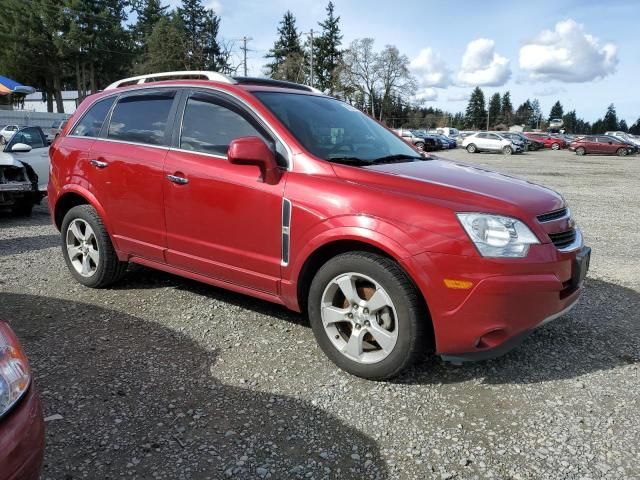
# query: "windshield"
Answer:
x=334 y=130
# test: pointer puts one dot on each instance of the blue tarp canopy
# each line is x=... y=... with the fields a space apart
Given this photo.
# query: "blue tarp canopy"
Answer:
x=8 y=86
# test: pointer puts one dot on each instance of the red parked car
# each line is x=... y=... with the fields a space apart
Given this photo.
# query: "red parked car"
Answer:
x=550 y=141
x=274 y=190
x=600 y=145
x=21 y=423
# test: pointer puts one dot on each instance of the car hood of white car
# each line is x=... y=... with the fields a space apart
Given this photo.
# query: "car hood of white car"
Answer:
x=8 y=160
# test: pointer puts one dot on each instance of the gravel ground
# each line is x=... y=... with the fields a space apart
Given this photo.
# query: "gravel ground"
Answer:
x=161 y=377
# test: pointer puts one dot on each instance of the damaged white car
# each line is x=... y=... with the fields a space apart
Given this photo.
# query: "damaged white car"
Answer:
x=18 y=185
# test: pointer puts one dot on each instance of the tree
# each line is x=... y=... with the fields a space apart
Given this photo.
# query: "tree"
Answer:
x=635 y=128
x=523 y=113
x=507 y=108
x=556 y=111
x=149 y=12
x=287 y=55
x=495 y=107
x=476 y=114
x=570 y=121
x=327 y=53
x=201 y=26
x=395 y=79
x=535 y=120
x=622 y=126
x=610 y=121
x=361 y=72
x=165 y=47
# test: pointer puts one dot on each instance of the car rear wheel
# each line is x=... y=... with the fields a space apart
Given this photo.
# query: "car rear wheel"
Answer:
x=580 y=151
x=471 y=148
x=420 y=146
x=507 y=150
x=87 y=249
x=555 y=146
x=366 y=315
x=622 y=152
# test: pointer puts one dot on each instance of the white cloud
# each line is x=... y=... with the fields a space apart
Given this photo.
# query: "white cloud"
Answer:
x=548 y=91
x=568 y=54
x=430 y=69
x=216 y=6
x=482 y=66
x=426 y=94
x=459 y=97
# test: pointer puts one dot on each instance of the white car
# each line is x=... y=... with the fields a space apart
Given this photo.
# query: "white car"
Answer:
x=7 y=132
x=490 y=142
x=29 y=146
x=625 y=137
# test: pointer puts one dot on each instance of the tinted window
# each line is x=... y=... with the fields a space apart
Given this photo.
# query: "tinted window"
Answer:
x=30 y=136
x=210 y=127
x=141 y=118
x=482 y=135
x=92 y=121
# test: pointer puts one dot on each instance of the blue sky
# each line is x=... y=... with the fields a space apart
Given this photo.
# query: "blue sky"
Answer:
x=584 y=53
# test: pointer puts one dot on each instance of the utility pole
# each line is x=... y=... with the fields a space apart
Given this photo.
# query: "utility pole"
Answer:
x=244 y=49
x=487 y=120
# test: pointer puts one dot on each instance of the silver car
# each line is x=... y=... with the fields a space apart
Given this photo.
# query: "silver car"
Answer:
x=29 y=147
x=7 y=132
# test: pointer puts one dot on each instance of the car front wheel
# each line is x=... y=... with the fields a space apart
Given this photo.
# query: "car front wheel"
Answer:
x=367 y=316
x=580 y=151
x=87 y=248
x=555 y=146
x=622 y=152
x=507 y=150
x=420 y=146
x=471 y=148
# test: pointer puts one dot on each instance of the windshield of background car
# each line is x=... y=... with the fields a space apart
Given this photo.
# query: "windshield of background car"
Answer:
x=331 y=129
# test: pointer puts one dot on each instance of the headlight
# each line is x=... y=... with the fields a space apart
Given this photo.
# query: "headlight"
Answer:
x=15 y=375
x=497 y=236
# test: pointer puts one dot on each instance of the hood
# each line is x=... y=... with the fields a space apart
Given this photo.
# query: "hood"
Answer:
x=8 y=160
x=469 y=186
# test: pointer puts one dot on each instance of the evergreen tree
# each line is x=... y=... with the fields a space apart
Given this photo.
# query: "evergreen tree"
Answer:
x=150 y=12
x=495 y=107
x=476 y=114
x=506 y=109
x=201 y=27
x=523 y=113
x=610 y=121
x=535 y=120
x=164 y=47
x=570 y=121
x=327 y=52
x=623 y=126
x=556 y=111
x=287 y=55
x=635 y=128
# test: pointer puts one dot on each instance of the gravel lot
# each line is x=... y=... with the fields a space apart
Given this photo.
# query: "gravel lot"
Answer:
x=162 y=377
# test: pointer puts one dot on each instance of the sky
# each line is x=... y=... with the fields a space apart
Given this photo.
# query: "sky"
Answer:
x=583 y=53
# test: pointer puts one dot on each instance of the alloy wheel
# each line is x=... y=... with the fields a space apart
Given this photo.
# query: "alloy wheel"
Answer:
x=82 y=247
x=359 y=318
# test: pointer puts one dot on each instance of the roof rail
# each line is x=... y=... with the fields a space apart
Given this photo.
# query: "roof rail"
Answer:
x=270 y=82
x=185 y=74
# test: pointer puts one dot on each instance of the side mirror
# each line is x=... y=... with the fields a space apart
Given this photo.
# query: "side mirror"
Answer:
x=20 y=147
x=253 y=151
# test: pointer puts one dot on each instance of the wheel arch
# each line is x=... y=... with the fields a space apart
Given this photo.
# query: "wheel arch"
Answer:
x=72 y=197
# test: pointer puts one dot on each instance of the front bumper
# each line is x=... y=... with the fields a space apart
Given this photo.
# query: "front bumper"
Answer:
x=22 y=439
x=507 y=298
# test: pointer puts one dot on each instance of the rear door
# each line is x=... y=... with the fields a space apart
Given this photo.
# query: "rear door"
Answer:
x=129 y=158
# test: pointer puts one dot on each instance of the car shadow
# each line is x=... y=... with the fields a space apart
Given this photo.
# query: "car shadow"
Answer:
x=598 y=334
x=17 y=245
x=140 y=400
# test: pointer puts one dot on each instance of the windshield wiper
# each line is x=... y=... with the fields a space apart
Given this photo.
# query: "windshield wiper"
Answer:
x=398 y=158
x=350 y=160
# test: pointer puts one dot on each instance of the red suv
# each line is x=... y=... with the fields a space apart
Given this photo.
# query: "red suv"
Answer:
x=274 y=190
x=550 y=141
x=600 y=145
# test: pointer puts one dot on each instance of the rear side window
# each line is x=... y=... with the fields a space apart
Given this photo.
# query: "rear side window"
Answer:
x=209 y=127
x=142 y=118
x=92 y=121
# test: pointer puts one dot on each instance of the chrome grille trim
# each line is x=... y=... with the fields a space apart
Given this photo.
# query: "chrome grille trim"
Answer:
x=559 y=214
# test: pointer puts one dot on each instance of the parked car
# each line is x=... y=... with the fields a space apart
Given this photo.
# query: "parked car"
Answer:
x=7 y=132
x=625 y=137
x=550 y=141
x=600 y=145
x=29 y=145
x=424 y=143
x=490 y=142
x=18 y=185
x=529 y=144
x=234 y=182
x=54 y=131
x=448 y=132
x=447 y=142
x=21 y=422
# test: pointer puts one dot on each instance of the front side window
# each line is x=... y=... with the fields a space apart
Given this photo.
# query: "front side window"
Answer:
x=92 y=121
x=335 y=131
x=209 y=127
x=142 y=118
x=31 y=136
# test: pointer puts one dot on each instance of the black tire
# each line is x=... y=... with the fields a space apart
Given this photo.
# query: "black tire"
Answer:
x=622 y=152
x=412 y=341
x=471 y=148
x=419 y=146
x=581 y=151
x=109 y=268
x=23 y=208
x=507 y=150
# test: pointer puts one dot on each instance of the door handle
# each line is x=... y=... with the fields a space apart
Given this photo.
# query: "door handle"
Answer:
x=98 y=163
x=177 y=180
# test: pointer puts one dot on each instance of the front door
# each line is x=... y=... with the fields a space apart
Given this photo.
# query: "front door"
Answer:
x=38 y=157
x=221 y=220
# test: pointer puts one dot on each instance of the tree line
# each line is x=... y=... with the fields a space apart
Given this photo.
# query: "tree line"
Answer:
x=84 y=45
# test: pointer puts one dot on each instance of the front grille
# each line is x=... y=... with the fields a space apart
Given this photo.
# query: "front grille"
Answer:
x=556 y=214
x=563 y=239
